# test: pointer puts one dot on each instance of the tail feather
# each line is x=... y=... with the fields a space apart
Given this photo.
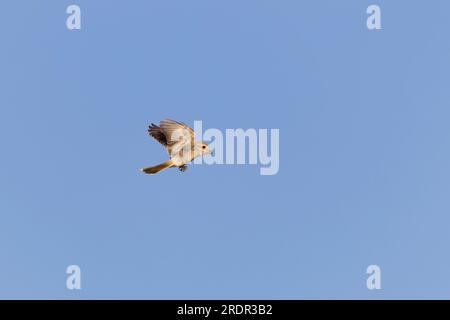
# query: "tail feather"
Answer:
x=158 y=168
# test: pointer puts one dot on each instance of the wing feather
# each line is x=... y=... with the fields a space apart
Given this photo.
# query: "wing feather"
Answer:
x=156 y=132
x=174 y=135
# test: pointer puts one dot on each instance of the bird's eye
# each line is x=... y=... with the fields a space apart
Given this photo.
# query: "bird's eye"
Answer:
x=203 y=147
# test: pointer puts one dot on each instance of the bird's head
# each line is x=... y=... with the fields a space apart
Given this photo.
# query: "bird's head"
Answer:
x=204 y=148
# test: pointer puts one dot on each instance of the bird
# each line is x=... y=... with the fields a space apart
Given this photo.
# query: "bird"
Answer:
x=179 y=141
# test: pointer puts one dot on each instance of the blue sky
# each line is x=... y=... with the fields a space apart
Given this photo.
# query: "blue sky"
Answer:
x=364 y=149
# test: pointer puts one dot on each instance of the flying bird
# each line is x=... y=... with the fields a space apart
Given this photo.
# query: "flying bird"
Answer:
x=179 y=141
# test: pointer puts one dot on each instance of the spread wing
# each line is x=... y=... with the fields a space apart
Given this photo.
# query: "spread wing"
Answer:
x=156 y=132
x=172 y=134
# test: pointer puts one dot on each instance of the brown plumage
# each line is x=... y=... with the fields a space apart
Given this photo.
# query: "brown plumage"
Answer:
x=179 y=141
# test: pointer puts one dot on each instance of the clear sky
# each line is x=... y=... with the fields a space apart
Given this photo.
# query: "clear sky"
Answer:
x=364 y=149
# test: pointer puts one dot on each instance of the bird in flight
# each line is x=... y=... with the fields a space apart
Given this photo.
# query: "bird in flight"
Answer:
x=179 y=141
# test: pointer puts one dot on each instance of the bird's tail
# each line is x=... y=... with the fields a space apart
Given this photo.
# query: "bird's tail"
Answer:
x=158 y=168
